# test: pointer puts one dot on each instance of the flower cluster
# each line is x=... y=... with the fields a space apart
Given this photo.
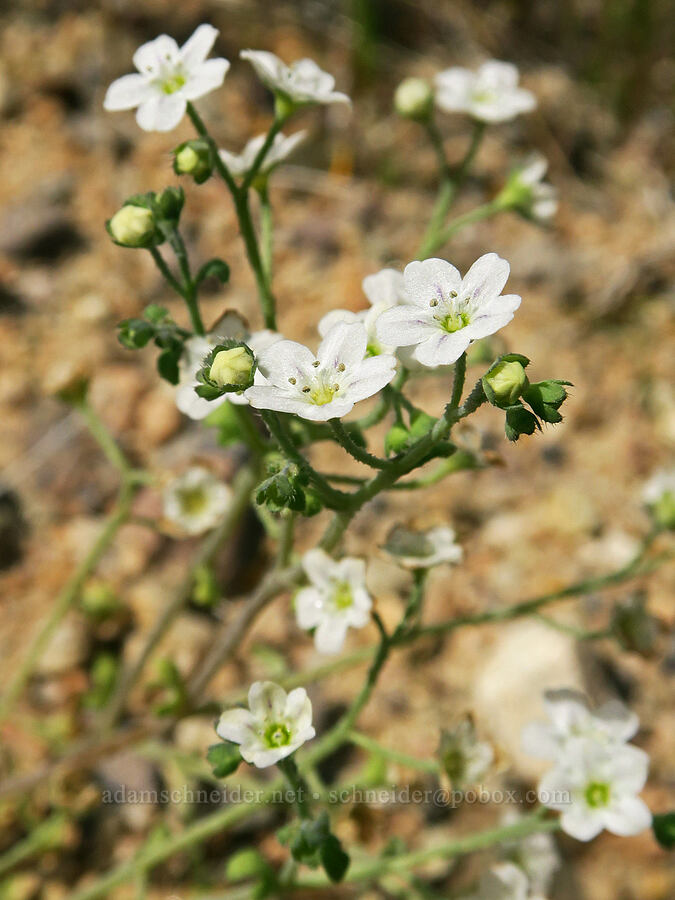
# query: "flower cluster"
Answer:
x=597 y=774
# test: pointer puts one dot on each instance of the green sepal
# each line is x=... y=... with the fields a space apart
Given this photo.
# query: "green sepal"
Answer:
x=396 y=440
x=519 y=421
x=169 y=204
x=156 y=314
x=214 y=268
x=545 y=397
x=224 y=758
x=421 y=424
x=282 y=490
x=167 y=365
x=663 y=826
x=206 y=159
x=334 y=859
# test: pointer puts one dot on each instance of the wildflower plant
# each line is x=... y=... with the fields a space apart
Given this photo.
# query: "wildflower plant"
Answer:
x=276 y=398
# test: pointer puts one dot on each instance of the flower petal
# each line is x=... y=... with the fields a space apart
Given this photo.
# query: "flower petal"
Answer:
x=442 y=348
x=386 y=286
x=299 y=710
x=485 y=279
x=371 y=377
x=495 y=74
x=207 y=77
x=152 y=55
x=266 y=700
x=627 y=816
x=198 y=46
x=344 y=345
x=161 y=112
x=581 y=823
x=127 y=92
x=309 y=608
x=334 y=316
x=319 y=567
x=237 y=725
x=330 y=635
x=431 y=279
x=284 y=360
x=268 y=67
x=404 y=326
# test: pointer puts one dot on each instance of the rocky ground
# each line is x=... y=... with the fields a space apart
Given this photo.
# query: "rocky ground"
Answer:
x=597 y=310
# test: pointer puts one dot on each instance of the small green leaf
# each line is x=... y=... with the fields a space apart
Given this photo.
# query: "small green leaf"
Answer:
x=135 y=333
x=334 y=859
x=663 y=827
x=519 y=421
x=167 y=366
x=155 y=313
x=224 y=758
x=214 y=268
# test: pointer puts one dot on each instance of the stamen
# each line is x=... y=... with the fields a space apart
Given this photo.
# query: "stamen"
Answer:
x=341 y=367
x=306 y=390
x=292 y=380
x=316 y=363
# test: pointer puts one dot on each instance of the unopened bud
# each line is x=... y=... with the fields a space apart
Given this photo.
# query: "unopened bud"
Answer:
x=132 y=226
x=504 y=383
x=232 y=367
x=194 y=158
x=414 y=98
x=396 y=440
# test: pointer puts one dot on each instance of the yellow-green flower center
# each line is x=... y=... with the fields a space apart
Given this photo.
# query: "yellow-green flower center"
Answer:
x=597 y=794
x=193 y=501
x=173 y=84
x=454 y=322
x=322 y=394
x=343 y=597
x=277 y=734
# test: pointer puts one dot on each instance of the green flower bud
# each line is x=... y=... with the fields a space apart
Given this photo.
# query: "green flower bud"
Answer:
x=194 y=158
x=414 y=98
x=634 y=627
x=132 y=226
x=232 y=366
x=397 y=440
x=504 y=383
x=228 y=367
x=245 y=864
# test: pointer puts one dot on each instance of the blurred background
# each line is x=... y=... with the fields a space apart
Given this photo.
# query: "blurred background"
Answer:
x=597 y=288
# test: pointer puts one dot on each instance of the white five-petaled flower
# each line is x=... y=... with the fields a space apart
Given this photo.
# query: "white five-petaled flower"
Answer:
x=302 y=82
x=570 y=718
x=444 y=312
x=191 y=361
x=384 y=290
x=490 y=95
x=273 y=727
x=196 y=501
x=422 y=550
x=335 y=600
x=290 y=378
x=168 y=77
x=282 y=147
x=503 y=881
x=595 y=786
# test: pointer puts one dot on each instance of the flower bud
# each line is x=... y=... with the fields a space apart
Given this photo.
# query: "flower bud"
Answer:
x=414 y=98
x=194 y=158
x=132 y=226
x=232 y=367
x=504 y=382
x=396 y=440
x=464 y=759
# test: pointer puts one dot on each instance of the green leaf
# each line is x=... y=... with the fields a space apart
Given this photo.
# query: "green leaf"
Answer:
x=135 y=333
x=334 y=859
x=155 y=313
x=167 y=365
x=663 y=827
x=214 y=268
x=224 y=758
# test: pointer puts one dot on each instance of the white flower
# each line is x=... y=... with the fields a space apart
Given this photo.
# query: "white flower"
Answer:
x=335 y=600
x=301 y=82
x=282 y=147
x=194 y=351
x=196 y=501
x=570 y=718
x=446 y=312
x=290 y=378
x=490 y=95
x=415 y=550
x=596 y=787
x=384 y=289
x=273 y=727
x=464 y=759
x=543 y=202
x=169 y=76
x=536 y=854
x=503 y=881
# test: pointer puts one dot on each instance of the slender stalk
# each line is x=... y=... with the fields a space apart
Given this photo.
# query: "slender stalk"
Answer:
x=285 y=548
x=375 y=868
x=189 y=291
x=403 y=759
x=166 y=272
x=244 y=483
x=266 y=233
x=47 y=835
x=343 y=438
x=250 y=176
x=99 y=431
x=478 y=214
x=297 y=784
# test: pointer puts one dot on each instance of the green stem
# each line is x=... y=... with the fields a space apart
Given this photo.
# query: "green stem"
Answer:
x=485 y=211
x=331 y=497
x=297 y=784
x=221 y=168
x=47 y=835
x=249 y=430
x=189 y=291
x=404 y=759
x=249 y=178
x=343 y=438
x=266 y=233
x=286 y=538
x=375 y=868
x=111 y=450
x=166 y=272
